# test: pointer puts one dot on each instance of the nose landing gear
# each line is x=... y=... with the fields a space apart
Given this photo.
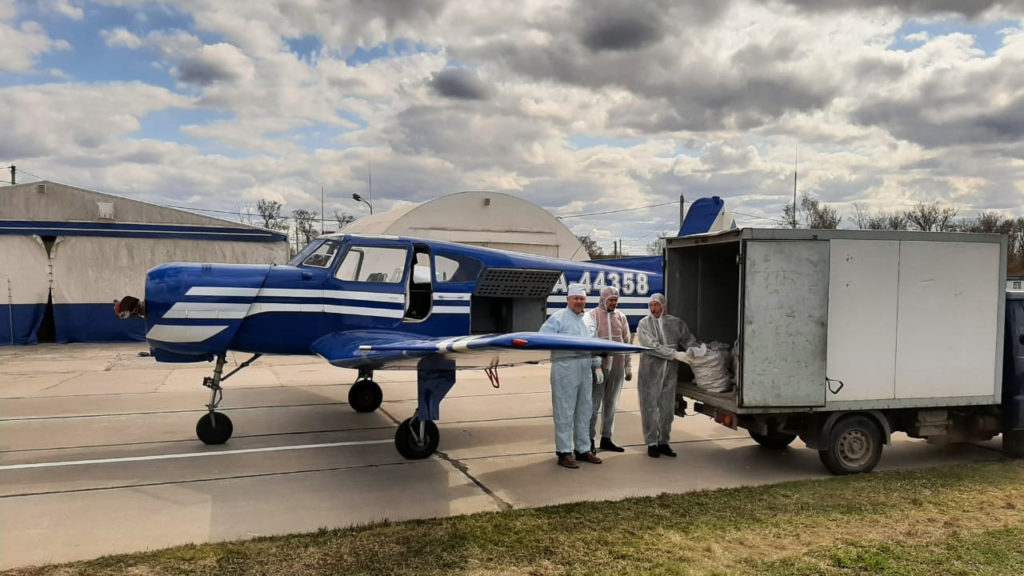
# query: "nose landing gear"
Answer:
x=215 y=427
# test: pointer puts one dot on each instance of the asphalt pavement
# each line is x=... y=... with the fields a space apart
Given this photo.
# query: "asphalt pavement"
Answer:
x=98 y=453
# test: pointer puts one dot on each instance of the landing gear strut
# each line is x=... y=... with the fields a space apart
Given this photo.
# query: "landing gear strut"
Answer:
x=215 y=427
x=418 y=437
x=365 y=395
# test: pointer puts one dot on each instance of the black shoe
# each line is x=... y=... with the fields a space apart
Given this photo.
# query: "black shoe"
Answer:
x=607 y=444
x=666 y=450
x=653 y=452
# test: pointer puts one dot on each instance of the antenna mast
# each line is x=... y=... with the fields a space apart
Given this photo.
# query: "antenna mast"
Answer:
x=796 y=152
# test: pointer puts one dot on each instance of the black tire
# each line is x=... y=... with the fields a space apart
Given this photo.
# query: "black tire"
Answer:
x=216 y=432
x=773 y=440
x=365 y=396
x=405 y=439
x=854 y=446
x=1013 y=443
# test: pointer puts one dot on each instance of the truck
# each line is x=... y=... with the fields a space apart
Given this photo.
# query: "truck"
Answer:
x=844 y=337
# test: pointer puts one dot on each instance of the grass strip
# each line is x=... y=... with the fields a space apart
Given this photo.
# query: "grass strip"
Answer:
x=964 y=519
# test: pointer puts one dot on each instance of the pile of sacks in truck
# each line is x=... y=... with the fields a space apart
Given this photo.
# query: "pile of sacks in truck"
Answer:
x=714 y=366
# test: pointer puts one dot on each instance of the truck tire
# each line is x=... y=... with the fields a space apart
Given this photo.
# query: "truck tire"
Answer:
x=1013 y=443
x=773 y=440
x=854 y=446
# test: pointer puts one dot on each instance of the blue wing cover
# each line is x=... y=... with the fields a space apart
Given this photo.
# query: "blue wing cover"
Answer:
x=381 y=349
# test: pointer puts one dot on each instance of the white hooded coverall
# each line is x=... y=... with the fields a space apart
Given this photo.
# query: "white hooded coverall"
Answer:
x=608 y=326
x=656 y=381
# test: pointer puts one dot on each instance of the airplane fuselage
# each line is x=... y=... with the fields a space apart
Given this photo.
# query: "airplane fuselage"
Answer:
x=342 y=282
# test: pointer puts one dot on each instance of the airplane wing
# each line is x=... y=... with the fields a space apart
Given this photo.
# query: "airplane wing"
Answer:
x=382 y=349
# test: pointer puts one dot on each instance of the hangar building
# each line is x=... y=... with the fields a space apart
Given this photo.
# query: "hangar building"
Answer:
x=490 y=219
x=67 y=253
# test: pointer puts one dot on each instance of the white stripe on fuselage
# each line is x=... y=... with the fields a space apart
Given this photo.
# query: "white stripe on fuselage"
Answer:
x=221 y=291
x=212 y=310
x=182 y=334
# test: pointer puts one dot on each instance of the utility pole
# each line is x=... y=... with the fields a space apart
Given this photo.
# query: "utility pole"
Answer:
x=321 y=210
x=13 y=182
x=682 y=211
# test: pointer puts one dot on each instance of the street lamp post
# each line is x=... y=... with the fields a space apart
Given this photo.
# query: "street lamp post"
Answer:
x=359 y=198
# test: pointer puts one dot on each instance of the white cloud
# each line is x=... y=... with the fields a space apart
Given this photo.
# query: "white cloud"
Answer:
x=578 y=106
x=120 y=37
x=65 y=8
x=76 y=120
x=20 y=46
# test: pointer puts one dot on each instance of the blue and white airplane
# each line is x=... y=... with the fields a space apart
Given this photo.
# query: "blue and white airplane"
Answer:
x=376 y=303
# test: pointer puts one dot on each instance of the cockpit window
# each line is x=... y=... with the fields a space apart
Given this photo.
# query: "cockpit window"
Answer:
x=456 y=268
x=373 y=264
x=322 y=257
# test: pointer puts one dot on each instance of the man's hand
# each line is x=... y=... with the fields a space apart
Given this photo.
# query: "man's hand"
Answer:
x=598 y=376
x=629 y=373
x=683 y=357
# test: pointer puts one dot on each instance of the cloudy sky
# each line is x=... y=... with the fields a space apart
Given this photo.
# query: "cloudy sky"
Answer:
x=601 y=111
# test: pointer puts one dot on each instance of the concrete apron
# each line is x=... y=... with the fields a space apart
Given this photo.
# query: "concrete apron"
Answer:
x=301 y=459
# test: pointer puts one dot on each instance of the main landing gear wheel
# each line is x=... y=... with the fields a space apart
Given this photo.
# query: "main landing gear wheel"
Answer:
x=365 y=396
x=214 y=428
x=773 y=440
x=416 y=440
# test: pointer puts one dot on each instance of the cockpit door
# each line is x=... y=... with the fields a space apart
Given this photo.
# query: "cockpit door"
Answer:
x=368 y=287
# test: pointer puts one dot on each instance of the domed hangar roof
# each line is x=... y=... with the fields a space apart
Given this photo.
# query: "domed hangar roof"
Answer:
x=491 y=219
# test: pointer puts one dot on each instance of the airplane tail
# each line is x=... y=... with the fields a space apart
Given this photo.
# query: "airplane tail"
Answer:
x=707 y=215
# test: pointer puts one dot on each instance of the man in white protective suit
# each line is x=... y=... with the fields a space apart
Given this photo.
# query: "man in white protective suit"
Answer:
x=571 y=384
x=608 y=323
x=667 y=336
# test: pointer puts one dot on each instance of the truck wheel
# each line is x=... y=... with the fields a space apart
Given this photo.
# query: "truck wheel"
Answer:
x=1013 y=443
x=854 y=446
x=773 y=440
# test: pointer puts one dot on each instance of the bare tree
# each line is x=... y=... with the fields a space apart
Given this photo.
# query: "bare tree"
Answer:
x=343 y=218
x=1015 y=247
x=593 y=250
x=789 y=216
x=865 y=220
x=816 y=214
x=247 y=214
x=270 y=213
x=895 y=221
x=930 y=217
x=305 y=224
x=819 y=215
x=657 y=247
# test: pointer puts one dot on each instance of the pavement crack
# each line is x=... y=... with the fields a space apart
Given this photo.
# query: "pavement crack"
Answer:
x=498 y=500
x=458 y=465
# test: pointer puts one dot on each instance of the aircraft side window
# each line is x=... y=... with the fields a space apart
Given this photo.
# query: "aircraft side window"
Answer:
x=456 y=268
x=349 y=267
x=373 y=264
x=323 y=257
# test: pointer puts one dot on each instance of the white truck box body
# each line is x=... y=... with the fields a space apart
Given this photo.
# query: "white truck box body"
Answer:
x=842 y=320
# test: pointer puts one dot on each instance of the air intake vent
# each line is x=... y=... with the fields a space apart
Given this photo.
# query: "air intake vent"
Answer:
x=41 y=188
x=516 y=282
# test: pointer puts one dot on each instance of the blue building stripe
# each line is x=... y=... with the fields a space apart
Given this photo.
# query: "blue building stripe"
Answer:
x=138 y=230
